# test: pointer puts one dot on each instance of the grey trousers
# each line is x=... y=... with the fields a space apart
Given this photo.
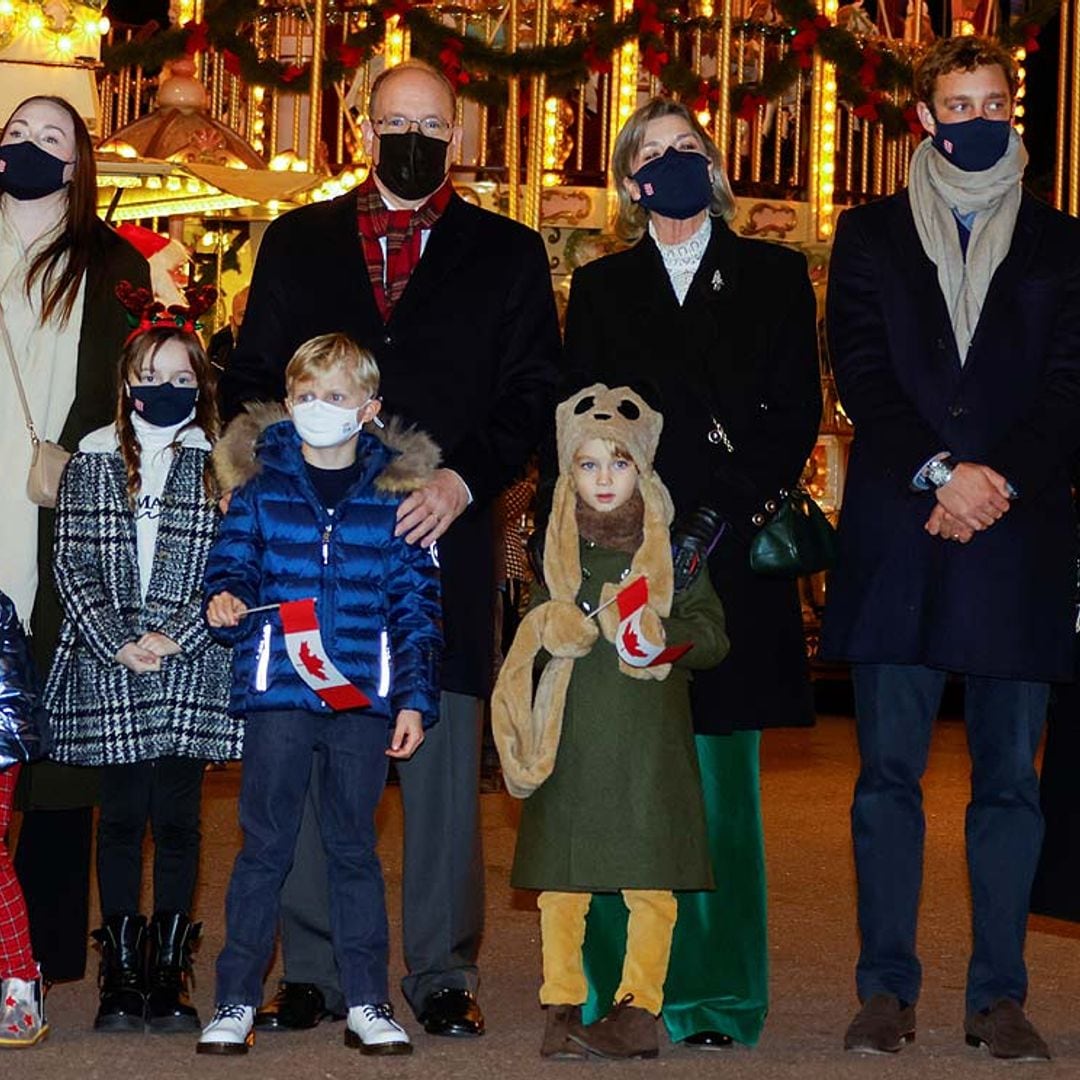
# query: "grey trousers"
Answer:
x=443 y=886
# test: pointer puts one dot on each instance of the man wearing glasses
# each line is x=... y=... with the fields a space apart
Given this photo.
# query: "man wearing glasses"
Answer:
x=456 y=304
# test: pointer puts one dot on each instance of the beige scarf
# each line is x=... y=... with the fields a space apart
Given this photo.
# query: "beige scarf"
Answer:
x=936 y=188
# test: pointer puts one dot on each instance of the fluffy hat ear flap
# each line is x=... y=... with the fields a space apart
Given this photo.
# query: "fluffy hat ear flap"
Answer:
x=653 y=558
x=562 y=558
x=527 y=733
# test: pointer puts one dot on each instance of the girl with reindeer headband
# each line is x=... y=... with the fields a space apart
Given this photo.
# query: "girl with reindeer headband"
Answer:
x=138 y=686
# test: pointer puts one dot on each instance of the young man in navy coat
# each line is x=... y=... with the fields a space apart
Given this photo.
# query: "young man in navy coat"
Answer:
x=953 y=321
x=456 y=304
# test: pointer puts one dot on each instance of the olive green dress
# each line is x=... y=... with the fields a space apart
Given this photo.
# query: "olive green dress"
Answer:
x=623 y=807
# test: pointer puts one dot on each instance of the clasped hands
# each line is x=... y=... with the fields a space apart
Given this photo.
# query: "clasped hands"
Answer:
x=974 y=499
x=146 y=654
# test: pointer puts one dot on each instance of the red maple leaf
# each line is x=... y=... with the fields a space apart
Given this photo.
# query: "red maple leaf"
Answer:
x=630 y=643
x=314 y=663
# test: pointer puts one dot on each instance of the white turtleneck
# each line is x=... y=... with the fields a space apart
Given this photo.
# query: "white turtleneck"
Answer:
x=156 y=446
x=682 y=260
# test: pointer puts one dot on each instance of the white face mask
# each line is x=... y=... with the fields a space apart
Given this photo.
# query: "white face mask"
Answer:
x=321 y=424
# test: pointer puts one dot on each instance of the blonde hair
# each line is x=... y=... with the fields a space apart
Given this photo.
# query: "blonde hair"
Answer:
x=329 y=351
x=615 y=449
x=632 y=218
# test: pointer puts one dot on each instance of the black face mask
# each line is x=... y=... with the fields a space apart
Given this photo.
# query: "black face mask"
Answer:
x=30 y=172
x=411 y=165
x=163 y=405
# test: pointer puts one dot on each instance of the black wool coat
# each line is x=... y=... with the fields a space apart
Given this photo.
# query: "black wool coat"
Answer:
x=101 y=337
x=469 y=355
x=1003 y=604
x=741 y=349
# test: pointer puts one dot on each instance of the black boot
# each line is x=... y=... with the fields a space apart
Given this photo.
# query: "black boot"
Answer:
x=172 y=937
x=122 y=978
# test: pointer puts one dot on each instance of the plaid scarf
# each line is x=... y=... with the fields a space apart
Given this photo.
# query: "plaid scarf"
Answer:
x=402 y=230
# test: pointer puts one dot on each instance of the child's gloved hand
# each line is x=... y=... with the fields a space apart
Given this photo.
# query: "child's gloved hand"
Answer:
x=568 y=631
x=652 y=629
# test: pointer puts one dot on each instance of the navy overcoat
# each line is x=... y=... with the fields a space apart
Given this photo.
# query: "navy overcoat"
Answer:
x=1003 y=604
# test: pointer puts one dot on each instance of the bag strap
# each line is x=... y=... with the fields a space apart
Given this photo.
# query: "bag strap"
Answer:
x=8 y=348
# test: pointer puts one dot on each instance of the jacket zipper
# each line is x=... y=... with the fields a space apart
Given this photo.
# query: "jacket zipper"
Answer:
x=326 y=543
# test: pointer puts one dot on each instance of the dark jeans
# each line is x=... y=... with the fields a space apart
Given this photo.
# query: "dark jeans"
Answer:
x=167 y=792
x=895 y=706
x=349 y=752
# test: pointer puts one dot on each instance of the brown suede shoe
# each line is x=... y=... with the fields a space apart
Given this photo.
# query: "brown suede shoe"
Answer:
x=1006 y=1032
x=559 y=1022
x=881 y=1026
x=626 y=1032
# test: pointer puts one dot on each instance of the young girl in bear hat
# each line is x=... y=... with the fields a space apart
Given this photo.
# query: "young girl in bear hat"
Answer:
x=603 y=753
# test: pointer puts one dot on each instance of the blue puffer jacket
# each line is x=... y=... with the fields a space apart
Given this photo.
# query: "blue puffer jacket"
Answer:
x=24 y=731
x=377 y=598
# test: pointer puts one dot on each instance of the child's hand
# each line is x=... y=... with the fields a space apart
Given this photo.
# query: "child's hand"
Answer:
x=224 y=502
x=135 y=658
x=225 y=610
x=159 y=644
x=408 y=735
x=568 y=631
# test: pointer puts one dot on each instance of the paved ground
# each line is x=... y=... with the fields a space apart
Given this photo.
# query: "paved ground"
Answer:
x=807 y=779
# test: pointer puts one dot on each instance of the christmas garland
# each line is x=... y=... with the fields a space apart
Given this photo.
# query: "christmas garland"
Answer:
x=867 y=70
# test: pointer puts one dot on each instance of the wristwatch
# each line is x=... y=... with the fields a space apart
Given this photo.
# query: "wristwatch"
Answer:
x=940 y=471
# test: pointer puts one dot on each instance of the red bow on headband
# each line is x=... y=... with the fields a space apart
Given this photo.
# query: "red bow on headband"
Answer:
x=144 y=312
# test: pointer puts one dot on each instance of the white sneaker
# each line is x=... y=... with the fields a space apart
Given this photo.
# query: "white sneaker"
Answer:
x=372 y=1029
x=22 y=1013
x=229 y=1032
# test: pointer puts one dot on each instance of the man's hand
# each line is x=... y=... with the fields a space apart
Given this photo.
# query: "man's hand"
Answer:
x=408 y=735
x=976 y=496
x=135 y=658
x=159 y=644
x=426 y=514
x=225 y=610
x=942 y=523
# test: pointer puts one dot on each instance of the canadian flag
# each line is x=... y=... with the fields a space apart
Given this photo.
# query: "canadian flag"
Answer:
x=308 y=655
x=630 y=642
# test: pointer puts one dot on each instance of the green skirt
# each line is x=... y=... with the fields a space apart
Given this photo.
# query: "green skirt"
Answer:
x=718 y=977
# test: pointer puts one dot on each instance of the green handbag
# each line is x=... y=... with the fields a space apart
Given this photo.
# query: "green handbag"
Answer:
x=799 y=539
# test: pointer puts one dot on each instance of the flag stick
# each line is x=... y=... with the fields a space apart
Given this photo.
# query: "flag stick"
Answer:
x=274 y=607
x=608 y=603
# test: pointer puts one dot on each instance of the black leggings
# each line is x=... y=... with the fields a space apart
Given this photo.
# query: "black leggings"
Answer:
x=167 y=792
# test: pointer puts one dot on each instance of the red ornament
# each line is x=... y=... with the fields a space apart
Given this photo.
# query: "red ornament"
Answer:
x=749 y=105
x=806 y=38
x=1031 y=36
x=868 y=73
x=293 y=72
x=654 y=60
x=648 y=23
x=595 y=61
x=232 y=62
x=198 y=38
x=911 y=118
x=868 y=110
x=350 y=55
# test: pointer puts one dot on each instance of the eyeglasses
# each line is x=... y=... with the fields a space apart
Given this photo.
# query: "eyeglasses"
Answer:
x=434 y=127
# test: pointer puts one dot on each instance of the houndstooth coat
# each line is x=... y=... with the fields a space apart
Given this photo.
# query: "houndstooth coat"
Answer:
x=102 y=712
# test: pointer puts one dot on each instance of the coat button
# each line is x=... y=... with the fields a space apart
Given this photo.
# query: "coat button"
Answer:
x=770 y=507
x=956 y=411
x=387 y=339
x=758 y=519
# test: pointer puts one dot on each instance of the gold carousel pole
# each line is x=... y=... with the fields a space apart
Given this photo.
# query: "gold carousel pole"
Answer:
x=1072 y=74
x=1061 y=157
x=318 y=33
x=534 y=160
x=513 y=122
x=722 y=133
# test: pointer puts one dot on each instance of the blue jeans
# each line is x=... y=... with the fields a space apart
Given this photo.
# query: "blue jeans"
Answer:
x=349 y=753
x=895 y=707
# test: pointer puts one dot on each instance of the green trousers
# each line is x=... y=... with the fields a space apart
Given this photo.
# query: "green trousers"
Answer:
x=718 y=975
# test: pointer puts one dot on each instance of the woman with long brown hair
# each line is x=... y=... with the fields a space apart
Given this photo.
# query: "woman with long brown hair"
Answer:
x=137 y=686
x=59 y=266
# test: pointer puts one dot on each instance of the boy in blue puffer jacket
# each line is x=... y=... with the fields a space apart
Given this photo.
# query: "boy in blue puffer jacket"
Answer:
x=346 y=681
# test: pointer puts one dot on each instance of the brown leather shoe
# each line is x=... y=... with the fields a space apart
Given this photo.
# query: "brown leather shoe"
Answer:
x=626 y=1032
x=559 y=1022
x=1006 y=1032
x=881 y=1026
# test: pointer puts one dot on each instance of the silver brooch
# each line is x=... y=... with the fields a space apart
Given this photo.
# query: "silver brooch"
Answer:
x=717 y=281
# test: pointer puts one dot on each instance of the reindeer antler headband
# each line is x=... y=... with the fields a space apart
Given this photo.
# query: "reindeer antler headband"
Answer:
x=144 y=312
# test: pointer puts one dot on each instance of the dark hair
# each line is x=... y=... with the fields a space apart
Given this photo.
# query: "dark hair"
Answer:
x=961 y=54
x=137 y=351
x=61 y=266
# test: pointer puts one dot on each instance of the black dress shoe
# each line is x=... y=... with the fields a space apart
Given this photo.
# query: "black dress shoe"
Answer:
x=709 y=1040
x=452 y=1012
x=296 y=1007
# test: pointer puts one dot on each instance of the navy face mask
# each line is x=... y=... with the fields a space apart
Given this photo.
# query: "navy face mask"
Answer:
x=973 y=145
x=30 y=172
x=163 y=405
x=676 y=184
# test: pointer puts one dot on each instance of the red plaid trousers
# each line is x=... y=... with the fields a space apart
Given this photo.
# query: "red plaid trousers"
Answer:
x=16 y=956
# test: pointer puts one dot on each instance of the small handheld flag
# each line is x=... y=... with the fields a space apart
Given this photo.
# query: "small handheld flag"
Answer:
x=630 y=641
x=309 y=657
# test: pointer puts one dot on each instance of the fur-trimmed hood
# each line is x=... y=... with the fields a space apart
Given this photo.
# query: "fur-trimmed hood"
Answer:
x=415 y=456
